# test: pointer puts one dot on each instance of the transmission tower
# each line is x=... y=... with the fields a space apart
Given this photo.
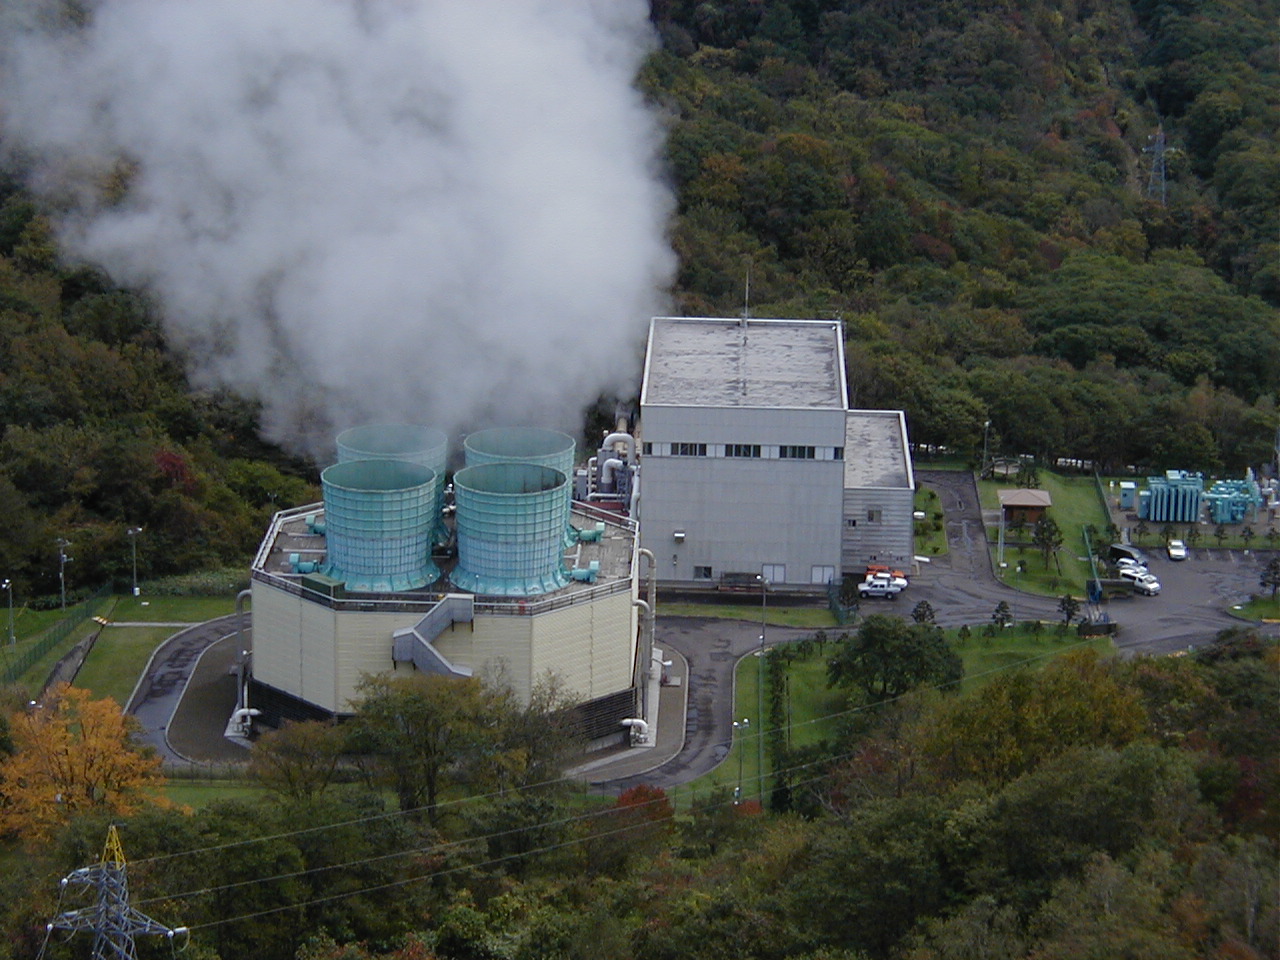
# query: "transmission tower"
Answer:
x=112 y=921
x=1158 y=179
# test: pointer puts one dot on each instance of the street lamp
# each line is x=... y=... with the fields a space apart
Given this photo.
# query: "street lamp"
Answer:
x=986 y=427
x=8 y=585
x=738 y=727
x=63 y=559
x=133 y=541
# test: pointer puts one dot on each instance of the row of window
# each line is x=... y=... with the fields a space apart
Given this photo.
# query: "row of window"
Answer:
x=748 y=451
x=874 y=515
x=777 y=573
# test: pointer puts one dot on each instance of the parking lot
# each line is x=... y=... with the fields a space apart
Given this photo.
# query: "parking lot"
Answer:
x=1196 y=593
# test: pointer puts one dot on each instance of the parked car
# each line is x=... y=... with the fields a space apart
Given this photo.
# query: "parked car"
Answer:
x=1125 y=551
x=1124 y=563
x=1177 y=550
x=1143 y=582
x=1148 y=585
x=895 y=578
x=886 y=589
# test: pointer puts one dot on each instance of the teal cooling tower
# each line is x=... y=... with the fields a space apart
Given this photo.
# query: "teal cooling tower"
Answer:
x=395 y=441
x=380 y=522
x=400 y=441
x=510 y=524
x=546 y=448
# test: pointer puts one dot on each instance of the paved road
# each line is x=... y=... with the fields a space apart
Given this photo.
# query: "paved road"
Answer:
x=962 y=588
x=712 y=649
x=156 y=699
x=1191 y=608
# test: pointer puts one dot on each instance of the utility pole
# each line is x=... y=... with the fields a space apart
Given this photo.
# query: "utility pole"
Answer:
x=764 y=616
x=113 y=922
x=63 y=559
x=738 y=727
x=986 y=428
x=133 y=540
x=8 y=585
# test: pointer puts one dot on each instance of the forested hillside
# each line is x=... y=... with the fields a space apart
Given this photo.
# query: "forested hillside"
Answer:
x=969 y=185
x=102 y=432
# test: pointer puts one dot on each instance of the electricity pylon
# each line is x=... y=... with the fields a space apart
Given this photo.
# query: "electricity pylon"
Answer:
x=1158 y=179
x=112 y=921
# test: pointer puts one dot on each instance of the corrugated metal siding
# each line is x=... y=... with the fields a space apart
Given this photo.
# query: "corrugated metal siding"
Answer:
x=890 y=540
x=736 y=513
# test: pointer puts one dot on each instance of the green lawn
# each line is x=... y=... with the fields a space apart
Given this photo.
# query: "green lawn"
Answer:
x=1015 y=646
x=200 y=793
x=118 y=659
x=166 y=609
x=1260 y=608
x=814 y=708
x=1075 y=505
x=931 y=532
x=818 y=618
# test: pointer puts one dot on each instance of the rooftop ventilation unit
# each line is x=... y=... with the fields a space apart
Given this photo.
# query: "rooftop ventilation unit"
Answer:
x=510 y=523
x=380 y=520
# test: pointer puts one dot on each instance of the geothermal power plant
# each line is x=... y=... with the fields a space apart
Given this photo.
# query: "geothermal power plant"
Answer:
x=502 y=574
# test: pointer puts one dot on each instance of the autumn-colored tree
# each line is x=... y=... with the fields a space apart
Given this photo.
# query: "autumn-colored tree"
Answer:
x=73 y=755
x=1020 y=719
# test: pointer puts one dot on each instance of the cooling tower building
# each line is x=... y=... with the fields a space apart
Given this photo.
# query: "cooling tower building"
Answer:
x=513 y=579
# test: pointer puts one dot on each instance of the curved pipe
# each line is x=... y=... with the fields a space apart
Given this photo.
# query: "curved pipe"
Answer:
x=242 y=695
x=639 y=729
x=621 y=438
x=607 y=469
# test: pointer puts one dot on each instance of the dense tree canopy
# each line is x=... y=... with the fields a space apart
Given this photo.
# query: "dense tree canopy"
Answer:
x=970 y=186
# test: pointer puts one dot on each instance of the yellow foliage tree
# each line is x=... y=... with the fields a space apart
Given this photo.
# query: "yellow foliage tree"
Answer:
x=73 y=755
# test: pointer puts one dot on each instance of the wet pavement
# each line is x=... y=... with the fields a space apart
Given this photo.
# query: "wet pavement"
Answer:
x=188 y=691
x=168 y=677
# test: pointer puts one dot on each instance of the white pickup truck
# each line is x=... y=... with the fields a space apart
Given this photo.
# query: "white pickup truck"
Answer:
x=879 y=588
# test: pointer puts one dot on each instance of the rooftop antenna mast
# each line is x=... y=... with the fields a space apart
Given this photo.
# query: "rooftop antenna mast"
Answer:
x=746 y=297
x=113 y=922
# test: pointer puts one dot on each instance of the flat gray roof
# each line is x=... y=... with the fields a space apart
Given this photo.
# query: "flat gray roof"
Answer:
x=698 y=361
x=875 y=450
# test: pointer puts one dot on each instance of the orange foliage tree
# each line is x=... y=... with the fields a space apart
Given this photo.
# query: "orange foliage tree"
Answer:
x=73 y=755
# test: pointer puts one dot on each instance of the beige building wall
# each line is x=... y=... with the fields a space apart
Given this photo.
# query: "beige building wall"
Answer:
x=319 y=654
x=591 y=646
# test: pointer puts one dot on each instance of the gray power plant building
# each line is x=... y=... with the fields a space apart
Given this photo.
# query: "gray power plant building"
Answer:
x=752 y=463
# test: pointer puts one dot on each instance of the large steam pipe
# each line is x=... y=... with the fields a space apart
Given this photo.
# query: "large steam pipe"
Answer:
x=242 y=694
x=607 y=470
x=639 y=729
x=647 y=630
x=621 y=438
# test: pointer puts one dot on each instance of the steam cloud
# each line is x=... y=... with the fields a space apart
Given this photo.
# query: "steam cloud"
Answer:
x=440 y=211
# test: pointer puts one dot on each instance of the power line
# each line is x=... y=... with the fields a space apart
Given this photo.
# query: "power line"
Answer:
x=566 y=780
x=111 y=919
x=546 y=848
x=604 y=812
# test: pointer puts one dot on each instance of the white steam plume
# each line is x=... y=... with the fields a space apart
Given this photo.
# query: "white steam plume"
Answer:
x=441 y=211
